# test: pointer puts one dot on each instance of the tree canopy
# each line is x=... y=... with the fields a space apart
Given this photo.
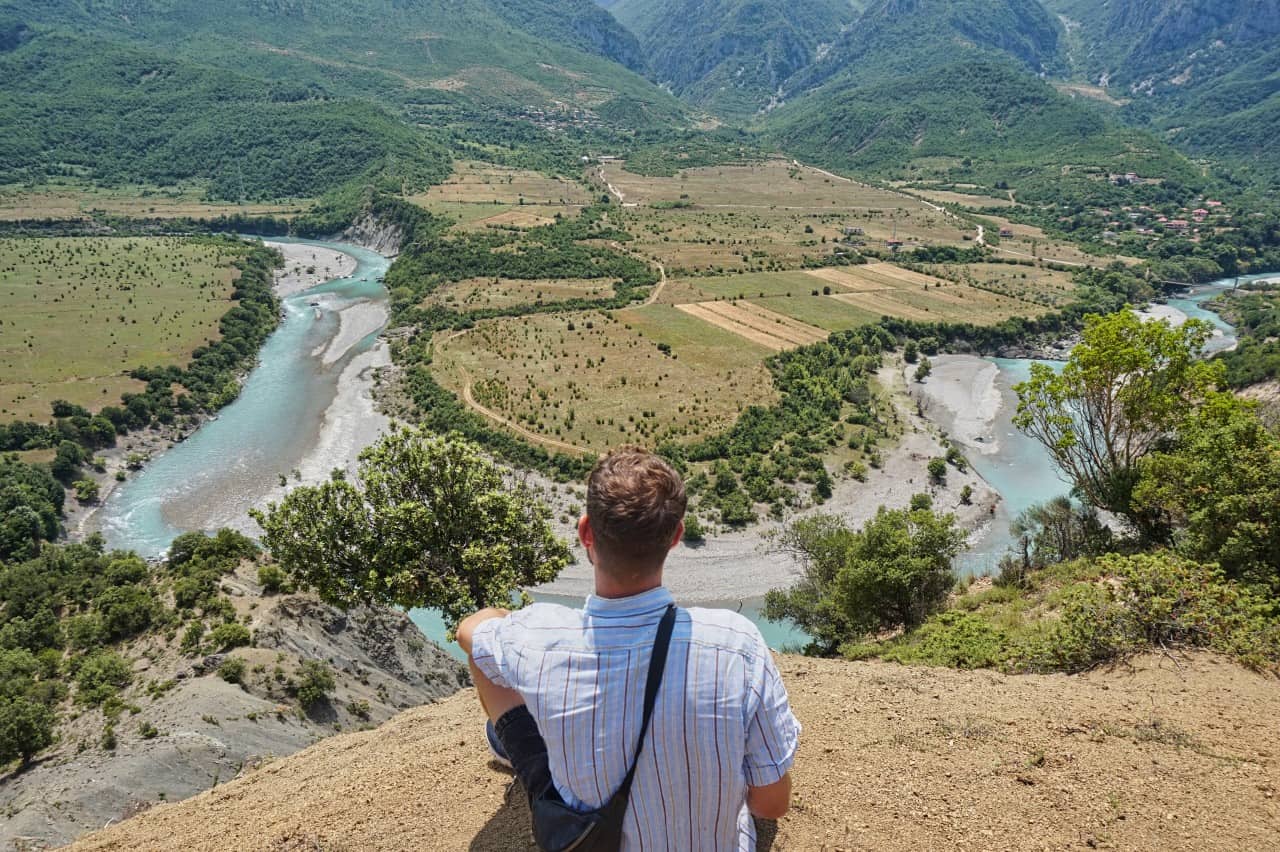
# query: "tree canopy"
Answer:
x=1125 y=388
x=894 y=572
x=430 y=521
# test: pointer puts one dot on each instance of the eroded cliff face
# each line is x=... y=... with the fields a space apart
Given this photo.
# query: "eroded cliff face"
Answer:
x=368 y=232
x=211 y=731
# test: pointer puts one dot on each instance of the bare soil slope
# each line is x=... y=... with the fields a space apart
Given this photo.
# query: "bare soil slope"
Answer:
x=1158 y=755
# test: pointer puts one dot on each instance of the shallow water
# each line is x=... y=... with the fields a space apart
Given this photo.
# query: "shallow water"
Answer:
x=234 y=462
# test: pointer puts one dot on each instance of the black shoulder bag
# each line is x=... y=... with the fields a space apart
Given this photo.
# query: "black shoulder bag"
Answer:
x=559 y=828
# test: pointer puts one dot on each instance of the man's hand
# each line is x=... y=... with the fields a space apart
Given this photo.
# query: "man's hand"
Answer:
x=772 y=800
x=467 y=628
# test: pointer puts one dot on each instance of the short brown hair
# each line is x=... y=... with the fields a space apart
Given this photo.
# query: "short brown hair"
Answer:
x=635 y=503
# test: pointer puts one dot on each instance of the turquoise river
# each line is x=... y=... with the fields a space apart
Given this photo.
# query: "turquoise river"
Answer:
x=277 y=427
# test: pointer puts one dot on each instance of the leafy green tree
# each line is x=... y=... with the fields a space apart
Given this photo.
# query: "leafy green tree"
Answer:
x=1125 y=388
x=315 y=682
x=1057 y=530
x=86 y=490
x=431 y=522
x=923 y=370
x=1218 y=487
x=693 y=531
x=125 y=610
x=230 y=635
x=26 y=728
x=938 y=470
x=101 y=675
x=894 y=572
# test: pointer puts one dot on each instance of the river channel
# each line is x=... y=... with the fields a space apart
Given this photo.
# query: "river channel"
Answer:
x=307 y=408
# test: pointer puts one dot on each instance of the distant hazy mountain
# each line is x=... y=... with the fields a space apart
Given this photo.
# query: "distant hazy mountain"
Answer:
x=732 y=56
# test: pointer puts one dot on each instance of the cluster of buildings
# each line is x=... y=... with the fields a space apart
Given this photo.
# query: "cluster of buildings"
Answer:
x=1144 y=219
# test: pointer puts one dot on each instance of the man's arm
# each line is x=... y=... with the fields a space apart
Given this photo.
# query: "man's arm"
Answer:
x=467 y=628
x=771 y=801
x=496 y=700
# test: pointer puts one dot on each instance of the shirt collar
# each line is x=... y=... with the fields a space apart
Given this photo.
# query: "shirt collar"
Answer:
x=653 y=599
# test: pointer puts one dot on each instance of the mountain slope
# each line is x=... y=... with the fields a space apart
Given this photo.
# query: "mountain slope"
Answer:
x=731 y=56
x=996 y=761
x=116 y=115
x=893 y=38
x=1206 y=72
x=509 y=54
x=981 y=123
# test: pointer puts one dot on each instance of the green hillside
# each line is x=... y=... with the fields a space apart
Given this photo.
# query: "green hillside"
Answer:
x=731 y=56
x=119 y=115
x=892 y=38
x=982 y=123
x=1203 y=72
x=268 y=98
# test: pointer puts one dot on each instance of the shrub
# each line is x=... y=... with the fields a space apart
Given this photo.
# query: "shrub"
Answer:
x=26 y=728
x=192 y=636
x=86 y=490
x=100 y=676
x=959 y=640
x=693 y=531
x=315 y=682
x=232 y=670
x=148 y=731
x=224 y=637
x=271 y=578
x=1156 y=600
x=894 y=572
x=938 y=470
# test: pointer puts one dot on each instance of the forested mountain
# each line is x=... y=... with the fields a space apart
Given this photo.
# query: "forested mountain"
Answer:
x=732 y=56
x=892 y=38
x=984 y=123
x=152 y=90
x=1206 y=72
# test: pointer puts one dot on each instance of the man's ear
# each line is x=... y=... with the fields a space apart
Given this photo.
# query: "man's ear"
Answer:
x=585 y=535
x=679 y=535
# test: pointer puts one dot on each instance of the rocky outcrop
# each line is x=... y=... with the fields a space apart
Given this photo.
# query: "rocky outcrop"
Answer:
x=193 y=730
x=373 y=234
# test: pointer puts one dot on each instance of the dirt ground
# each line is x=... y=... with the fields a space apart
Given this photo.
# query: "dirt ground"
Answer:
x=1157 y=754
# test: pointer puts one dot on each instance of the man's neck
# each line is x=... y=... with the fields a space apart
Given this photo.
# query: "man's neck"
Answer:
x=610 y=587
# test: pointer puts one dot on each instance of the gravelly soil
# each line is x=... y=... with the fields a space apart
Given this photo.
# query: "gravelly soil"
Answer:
x=1154 y=755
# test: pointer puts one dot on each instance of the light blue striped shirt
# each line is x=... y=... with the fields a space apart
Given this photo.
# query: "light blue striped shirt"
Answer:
x=721 y=721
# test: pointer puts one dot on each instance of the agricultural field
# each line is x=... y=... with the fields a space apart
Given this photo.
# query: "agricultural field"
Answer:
x=939 y=196
x=73 y=202
x=1048 y=287
x=76 y=314
x=1030 y=243
x=479 y=195
x=592 y=380
x=765 y=216
x=477 y=293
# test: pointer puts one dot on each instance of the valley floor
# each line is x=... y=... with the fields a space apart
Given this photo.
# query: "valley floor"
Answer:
x=1160 y=754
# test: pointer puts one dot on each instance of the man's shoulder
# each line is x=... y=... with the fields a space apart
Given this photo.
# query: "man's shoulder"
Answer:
x=727 y=630
x=542 y=615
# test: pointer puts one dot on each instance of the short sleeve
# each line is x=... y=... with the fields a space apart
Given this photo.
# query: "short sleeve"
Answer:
x=487 y=651
x=773 y=732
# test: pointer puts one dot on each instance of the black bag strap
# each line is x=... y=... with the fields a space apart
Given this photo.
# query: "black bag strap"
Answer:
x=657 y=664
